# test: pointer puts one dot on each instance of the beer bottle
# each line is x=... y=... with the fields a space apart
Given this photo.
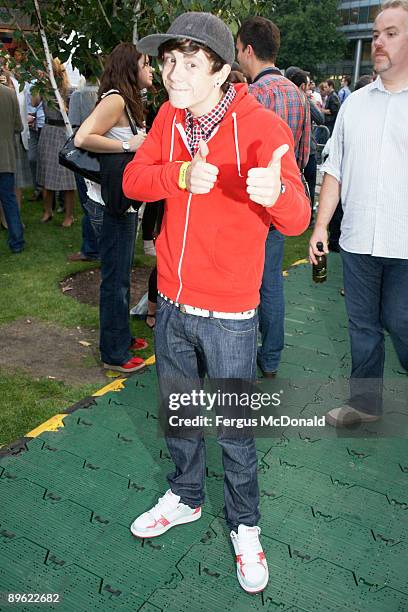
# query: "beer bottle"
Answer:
x=320 y=269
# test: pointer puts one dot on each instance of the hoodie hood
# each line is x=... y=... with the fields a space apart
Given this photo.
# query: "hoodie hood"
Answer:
x=243 y=104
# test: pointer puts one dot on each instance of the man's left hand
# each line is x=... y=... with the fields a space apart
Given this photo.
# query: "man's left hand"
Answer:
x=264 y=184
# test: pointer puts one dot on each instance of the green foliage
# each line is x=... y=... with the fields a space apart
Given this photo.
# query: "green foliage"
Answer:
x=309 y=34
x=87 y=30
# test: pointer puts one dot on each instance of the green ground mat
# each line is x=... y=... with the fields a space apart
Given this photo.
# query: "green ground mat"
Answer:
x=334 y=509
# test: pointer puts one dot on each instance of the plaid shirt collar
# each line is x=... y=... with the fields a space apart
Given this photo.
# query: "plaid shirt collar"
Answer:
x=266 y=71
x=201 y=128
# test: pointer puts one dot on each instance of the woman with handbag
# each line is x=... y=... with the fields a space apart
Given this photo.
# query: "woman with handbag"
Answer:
x=108 y=130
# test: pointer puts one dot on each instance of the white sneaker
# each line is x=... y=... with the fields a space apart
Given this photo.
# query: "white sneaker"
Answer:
x=252 y=568
x=167 y=513
x=149 y=248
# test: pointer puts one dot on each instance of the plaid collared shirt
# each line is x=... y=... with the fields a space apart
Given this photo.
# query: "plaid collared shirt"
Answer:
x=201 y=128
x=282 y=96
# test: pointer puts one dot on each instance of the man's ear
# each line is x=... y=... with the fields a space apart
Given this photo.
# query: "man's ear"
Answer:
x=224 y=73
x=249 y=50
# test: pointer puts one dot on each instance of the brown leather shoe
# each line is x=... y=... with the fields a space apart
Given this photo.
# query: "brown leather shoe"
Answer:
x=344 y=416
x=79 y=257
x=265 y=373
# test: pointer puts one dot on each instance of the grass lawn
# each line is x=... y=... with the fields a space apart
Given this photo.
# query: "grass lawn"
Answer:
x=29 y=289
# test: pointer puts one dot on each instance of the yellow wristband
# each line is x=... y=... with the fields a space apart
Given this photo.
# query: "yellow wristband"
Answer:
x=182 y=175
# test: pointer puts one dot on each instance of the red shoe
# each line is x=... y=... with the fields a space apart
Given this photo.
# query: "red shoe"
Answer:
x=138 y=344
x=134 y=364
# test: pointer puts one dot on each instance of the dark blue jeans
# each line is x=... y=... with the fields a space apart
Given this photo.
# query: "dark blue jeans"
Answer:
x=94 y=211
x=376 y=293
x=188 y=347
x=310 y=173
x=117 y=248
x=272 y=305
x=11 y=212
x=89 y=245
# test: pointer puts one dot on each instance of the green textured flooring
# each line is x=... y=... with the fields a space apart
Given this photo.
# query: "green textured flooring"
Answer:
x=334 y=511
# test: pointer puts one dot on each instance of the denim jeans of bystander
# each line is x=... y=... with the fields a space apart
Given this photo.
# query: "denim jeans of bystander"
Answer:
x=95 y=216
x=116 y=248
x=272 y=305
x=376 y=294
x=89 y=246
x=11 y=212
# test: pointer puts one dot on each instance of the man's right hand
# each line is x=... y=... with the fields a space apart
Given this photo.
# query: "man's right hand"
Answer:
x=200 y=176
x=319 y=235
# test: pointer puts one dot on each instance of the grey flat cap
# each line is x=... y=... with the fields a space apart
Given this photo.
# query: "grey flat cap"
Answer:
x=204 y=28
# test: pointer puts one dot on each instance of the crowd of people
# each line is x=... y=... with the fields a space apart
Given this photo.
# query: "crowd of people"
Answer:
x=231 y=180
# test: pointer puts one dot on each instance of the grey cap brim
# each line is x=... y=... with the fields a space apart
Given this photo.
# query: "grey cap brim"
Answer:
x=150 y=44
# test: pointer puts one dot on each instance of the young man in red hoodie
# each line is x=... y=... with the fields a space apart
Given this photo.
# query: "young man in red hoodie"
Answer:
x=226 y=168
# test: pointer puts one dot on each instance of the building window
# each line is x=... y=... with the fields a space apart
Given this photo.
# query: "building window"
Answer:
x=373 y=12
x=354 y=16
x=350 y=50
x=363 y=14
x=345 y=16
x=366 y=52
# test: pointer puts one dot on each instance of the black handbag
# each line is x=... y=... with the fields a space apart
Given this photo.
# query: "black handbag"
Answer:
x=112 y=168
x=80 y=161
x=83 y=162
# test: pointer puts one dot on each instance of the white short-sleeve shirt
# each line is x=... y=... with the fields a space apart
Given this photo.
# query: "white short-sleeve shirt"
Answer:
x=368 y=155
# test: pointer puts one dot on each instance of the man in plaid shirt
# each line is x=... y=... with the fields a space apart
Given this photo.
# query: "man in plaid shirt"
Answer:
x=257 y=47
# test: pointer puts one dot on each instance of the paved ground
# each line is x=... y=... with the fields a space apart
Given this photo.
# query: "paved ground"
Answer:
x=334 y=506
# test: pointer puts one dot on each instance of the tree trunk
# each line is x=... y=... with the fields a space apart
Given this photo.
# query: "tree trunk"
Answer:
x=136 y=11
x=50 y=71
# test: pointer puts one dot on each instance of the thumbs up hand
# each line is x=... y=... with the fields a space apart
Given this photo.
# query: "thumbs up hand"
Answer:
x=264 y=184
x=200 y=176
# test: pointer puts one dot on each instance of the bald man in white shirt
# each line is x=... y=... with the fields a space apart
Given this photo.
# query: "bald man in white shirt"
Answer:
x=367 y=168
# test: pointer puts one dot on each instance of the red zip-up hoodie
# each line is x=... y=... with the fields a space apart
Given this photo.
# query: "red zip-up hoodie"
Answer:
x=210 y=251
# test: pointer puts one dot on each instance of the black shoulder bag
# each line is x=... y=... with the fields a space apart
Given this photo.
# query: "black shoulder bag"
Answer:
x=82 y=162
x=112 y=168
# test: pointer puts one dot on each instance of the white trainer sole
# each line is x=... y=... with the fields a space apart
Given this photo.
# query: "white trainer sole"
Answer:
x=255 y=590
x=159 y=531
x=118 y=368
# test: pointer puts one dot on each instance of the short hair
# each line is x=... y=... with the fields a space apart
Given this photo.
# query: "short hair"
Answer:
x=298 y=77
x=263 y=36
x=347 y=78
x=394 y=4
x=236 y=76
x=363 y=81
x=291 y=70
x=330 y=83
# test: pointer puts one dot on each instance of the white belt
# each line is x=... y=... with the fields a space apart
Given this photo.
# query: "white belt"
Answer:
x=209 y=314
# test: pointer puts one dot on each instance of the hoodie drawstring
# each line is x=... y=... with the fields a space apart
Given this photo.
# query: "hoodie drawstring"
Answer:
x=234 y=118
x=172 y=138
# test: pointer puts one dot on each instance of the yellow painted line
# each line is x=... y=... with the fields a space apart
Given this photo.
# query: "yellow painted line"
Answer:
x=52 y=424
x=116 y=385
x=55 y=422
